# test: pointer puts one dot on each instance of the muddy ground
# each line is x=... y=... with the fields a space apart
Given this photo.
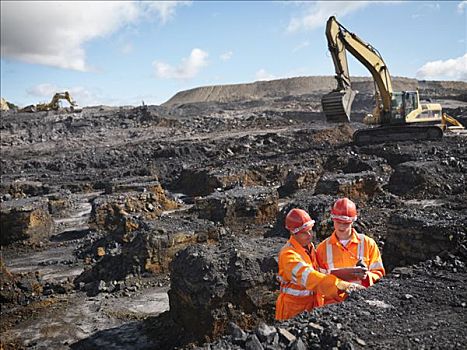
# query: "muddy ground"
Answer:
x=158 y=227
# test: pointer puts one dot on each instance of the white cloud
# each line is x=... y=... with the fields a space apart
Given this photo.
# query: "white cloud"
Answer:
x=226 y=56
x=262 y=74
x=44 y=93
x=301 y=46
x=189 y=68
x=53 y=33
x=126 y=48
x=42 y=90
x=165 y=10
x=318 y=12
x=433 y=7
x=451 y=69
x=425 y=9
x=462 y=6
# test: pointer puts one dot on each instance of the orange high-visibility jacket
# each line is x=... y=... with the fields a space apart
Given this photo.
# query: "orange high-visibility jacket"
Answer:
x=331 y=254
x=301 y=286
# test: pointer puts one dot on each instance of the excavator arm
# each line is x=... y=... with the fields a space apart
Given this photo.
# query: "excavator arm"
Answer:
x=399 y=115
x=337 y=104
x=54 y=103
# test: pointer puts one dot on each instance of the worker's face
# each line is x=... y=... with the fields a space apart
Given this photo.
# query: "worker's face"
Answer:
x=343 y=230
x=304 y=238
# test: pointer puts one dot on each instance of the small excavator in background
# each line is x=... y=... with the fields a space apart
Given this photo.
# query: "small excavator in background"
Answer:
x=54 y=104
x=399 y=115
x=4 y=105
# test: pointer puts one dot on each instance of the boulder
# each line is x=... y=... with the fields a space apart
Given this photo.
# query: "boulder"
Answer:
x=240 y=206
x=25 y=219
x=204 y=181
x=233 y=280
x=354 y=185
x=148 y=248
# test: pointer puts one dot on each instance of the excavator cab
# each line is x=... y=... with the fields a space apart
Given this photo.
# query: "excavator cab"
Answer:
x=402 y=104
x=410 y=101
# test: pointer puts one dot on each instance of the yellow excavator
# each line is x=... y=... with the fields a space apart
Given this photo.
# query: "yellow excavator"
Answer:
x=4 y=106
x=54 y=104
x=400 y=115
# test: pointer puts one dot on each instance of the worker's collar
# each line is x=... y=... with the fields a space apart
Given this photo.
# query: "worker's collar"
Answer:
x=353 y=237
x=297 y=245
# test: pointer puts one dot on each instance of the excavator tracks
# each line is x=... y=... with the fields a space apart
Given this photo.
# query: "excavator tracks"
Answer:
x=397 y=133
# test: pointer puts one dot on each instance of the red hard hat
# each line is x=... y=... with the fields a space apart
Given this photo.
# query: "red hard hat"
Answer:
x=298 y=220
x=344 y=210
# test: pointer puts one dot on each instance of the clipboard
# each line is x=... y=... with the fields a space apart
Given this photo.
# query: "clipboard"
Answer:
x=346 y=273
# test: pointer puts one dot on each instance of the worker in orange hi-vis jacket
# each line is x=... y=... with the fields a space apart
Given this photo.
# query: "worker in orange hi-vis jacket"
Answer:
x=346 y=248
x=302 y=286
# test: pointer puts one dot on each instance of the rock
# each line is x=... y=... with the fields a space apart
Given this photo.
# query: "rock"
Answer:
x=240 y=206
x=285 y=336
x=265 y=333
x=298 y=345
x=355 y=185
x=253 y=343
x=26 y=219
x=236 y=332
x=205 y=305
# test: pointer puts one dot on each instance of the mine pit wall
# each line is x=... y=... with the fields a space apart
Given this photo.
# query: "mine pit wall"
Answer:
x=415 y=235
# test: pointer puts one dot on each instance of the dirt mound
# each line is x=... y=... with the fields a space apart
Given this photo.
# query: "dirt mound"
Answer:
x=281 y=88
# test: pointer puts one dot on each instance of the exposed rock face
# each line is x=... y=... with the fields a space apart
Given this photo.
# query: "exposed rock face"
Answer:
x=204 y=181
x=240 y=206
x=353 y=185
x=411 y=178
x=148 y=248
x=112 y=212
x=301 y=177
x=25 y=220
x=231 y=280
x=18 y=289
x=418 y=235
x=22 y=189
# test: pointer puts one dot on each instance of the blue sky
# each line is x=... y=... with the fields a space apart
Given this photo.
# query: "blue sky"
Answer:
x=126 y=52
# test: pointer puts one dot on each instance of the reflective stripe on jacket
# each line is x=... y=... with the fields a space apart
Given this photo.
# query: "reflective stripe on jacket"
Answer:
x=301 y=286
x=331 y=254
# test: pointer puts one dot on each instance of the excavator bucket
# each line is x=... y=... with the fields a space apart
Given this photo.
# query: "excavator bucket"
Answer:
x=337 y=105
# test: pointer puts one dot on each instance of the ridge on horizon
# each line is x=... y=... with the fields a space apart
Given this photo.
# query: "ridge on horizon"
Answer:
x=295 y=86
